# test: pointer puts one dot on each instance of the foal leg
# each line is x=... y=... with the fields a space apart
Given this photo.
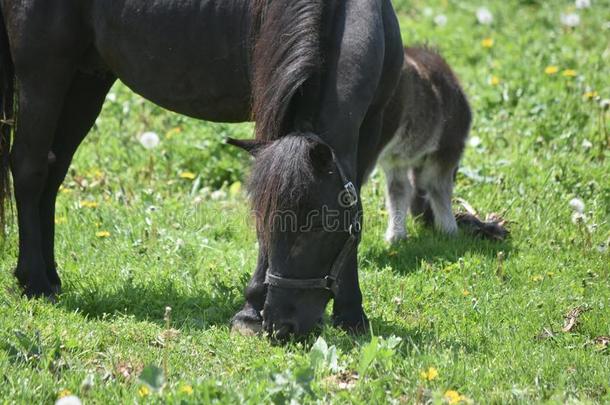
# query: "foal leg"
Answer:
x=41 y=96
x=249 y=320
x=399 y=194
x=82 y=105
x=420 y=206
x=437 y=179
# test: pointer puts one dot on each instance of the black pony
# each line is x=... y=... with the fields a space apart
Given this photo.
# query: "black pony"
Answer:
x=296 y=67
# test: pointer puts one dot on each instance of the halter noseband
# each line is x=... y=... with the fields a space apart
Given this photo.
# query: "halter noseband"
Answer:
x=329 y=282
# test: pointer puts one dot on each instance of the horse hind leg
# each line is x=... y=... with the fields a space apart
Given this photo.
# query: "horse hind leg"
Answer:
x=41 y=96
x=81 y=107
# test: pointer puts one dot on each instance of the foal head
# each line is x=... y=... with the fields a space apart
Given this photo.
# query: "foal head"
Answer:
x=304 y=216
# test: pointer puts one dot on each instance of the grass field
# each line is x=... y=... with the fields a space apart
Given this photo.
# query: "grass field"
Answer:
x=141 y=229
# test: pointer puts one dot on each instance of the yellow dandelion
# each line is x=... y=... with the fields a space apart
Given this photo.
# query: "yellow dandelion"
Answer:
x=537 y=278
x=487 y=42
x=64 y=190
x=494 y=80
x=590 y=95
x=186 y=389
x=550 y=274
x=429 y=375
x=465 y=293
x=173 y=132
x=63 y=393
x=60 y=220
x=88 y=204
x=95 y=173
x=569 y=73
x=453 y=397
x=103 y=234
x=144 y=391
x=235 y=188
x=188 y=176
x=551 y=70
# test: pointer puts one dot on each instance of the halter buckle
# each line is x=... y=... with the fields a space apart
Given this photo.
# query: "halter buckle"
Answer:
x=352 y=193
x=330 y=282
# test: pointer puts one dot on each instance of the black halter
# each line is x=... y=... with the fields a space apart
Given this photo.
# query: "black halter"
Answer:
x=349 y=199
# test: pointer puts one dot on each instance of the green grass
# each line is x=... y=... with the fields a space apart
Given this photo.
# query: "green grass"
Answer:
x=541 y=144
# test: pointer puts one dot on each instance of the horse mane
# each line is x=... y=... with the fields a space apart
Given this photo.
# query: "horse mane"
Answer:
x=287 y=52
x=282 y=176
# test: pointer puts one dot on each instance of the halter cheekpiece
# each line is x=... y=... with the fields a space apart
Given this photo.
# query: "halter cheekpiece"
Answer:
x=348 y=199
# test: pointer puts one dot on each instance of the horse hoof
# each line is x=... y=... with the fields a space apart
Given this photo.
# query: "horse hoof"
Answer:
x=40 y=293
x=356 y=324
x=38 y=290
x=56 y=288
x=247 y=322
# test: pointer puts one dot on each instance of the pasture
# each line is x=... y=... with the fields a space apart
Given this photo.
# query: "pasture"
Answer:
x=142 y=227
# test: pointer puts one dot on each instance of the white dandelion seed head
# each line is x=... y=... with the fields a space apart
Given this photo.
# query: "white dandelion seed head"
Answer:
x=577 y=205
x=149 y=140
x=69 y=400
x=583 y=4
x=484 y=16
x=111 y=97
x=428 y=12
x=578 y=218
x=587 y=144
x=570 y=20
x=218 y=195
x=440 y=20
x=475 y=141
x=605 y=104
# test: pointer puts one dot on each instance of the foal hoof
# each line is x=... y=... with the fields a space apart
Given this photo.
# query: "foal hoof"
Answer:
x=247 y=322
x=393 y=237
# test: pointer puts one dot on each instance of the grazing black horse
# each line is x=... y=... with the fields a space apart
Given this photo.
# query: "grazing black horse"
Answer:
x=296 y=67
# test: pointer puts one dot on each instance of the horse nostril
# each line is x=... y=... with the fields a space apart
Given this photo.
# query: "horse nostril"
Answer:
x=285 y=329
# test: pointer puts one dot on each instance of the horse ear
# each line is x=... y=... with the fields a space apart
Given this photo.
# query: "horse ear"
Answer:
x=252 y=146
x=321 y=156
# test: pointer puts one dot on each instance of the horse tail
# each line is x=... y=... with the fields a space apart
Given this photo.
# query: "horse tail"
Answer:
x=7 y=117
x=287 y=52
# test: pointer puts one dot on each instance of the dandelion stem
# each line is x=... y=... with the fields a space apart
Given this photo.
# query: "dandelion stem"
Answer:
x=168 y=324
x=500 y=271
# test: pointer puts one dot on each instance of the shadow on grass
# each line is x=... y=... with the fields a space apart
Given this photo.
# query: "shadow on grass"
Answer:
x=192 y=308
x=428 y=246
x=414 y=339
x=204 y=306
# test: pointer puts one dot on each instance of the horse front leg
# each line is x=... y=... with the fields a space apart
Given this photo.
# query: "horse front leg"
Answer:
x=249 y=320
x=348 y=313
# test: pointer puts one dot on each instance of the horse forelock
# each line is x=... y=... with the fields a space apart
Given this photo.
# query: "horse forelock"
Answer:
x=281 y=177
